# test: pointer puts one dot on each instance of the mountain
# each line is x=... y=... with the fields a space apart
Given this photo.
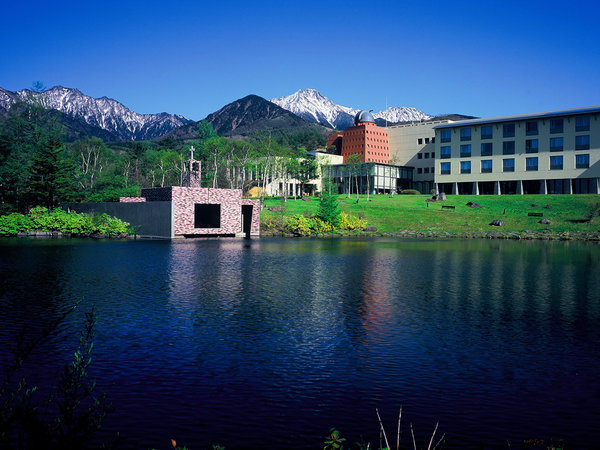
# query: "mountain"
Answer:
x=102 y=117
x=313 y=106
x=248 y=115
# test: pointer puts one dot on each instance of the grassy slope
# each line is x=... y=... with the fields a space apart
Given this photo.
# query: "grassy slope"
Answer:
x=411 y=212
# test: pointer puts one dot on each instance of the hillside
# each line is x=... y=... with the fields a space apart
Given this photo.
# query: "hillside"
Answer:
x=248 y=115
x=84 y=116
x=410 y=214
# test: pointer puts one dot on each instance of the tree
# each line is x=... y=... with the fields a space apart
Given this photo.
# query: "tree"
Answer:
x=51 y=173
x=329 y=208
x=354 y=162
x=92 y=158
x=307 y=172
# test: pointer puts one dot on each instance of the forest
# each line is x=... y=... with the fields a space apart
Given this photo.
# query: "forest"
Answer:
x=38 y=168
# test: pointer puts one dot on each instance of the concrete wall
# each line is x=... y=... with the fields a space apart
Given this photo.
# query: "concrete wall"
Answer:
x=152 y=219
x=412 y=144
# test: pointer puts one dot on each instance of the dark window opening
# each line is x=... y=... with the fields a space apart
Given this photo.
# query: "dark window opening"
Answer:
x=207 y=216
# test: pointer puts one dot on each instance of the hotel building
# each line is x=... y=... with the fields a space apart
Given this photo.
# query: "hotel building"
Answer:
x=413 y=144
x=556 y=152
x=371 y=170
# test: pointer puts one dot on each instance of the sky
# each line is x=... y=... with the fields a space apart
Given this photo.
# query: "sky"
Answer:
x=481 y=58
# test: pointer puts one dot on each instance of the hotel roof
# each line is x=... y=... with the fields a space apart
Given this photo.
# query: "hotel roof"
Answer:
x=513 y=118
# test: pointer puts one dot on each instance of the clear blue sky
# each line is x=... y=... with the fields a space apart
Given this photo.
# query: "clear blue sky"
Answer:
x=481 y=58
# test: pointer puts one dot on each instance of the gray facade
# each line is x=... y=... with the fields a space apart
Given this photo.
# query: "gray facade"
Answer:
x=150 y=219
x=556 y=152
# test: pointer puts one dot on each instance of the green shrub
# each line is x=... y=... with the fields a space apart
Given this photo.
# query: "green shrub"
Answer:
x=39 y=218
x=298 y=225
x=593 y=211
x=410 y=192
x=14 y=223
x=352 y=222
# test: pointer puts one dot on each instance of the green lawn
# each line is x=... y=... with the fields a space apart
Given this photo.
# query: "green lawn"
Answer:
x=413 y=213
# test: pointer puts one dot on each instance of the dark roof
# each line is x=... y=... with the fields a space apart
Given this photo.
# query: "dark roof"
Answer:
x=513 y=118
x=363 y=116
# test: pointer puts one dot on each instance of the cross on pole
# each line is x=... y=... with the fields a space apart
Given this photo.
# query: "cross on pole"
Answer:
x=192 y=153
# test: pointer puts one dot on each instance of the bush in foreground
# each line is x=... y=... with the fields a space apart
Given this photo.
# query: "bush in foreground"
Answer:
x=304 y=226
x=58 y=220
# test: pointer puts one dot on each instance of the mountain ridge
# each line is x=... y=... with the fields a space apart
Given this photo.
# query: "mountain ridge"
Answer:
x=103 y=113
x=313 y=106
x=247 y=115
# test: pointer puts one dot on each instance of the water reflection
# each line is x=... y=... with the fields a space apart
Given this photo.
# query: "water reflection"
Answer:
x=210 y=340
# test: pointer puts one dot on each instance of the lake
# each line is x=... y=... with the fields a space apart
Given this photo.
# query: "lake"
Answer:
x=271 y=342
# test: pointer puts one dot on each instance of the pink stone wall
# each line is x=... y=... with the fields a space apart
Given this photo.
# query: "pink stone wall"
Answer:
x=255 y=227
x=184 y=199
x=231 y=202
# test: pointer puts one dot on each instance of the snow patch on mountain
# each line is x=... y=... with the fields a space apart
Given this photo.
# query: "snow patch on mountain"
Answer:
x=105 y=113
x=313 y=106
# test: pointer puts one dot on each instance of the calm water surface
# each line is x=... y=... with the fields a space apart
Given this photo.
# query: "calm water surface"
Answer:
x=273 y=341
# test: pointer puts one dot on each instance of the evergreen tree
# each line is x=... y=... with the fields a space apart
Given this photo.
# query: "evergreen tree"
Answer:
x=329 y=208
x=51 y=173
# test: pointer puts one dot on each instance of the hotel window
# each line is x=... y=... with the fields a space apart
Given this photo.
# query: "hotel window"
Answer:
x=433 y=140
x=486 y=149
x=582 y=124
x=426 y=155
x=508 y=130
x=582 y=142
x=427 y=140
x=531 y=164
x=531 y=127
x=508 y=148
x=419 y=170
x=556 y=126
x=419 y=155
x=556 y=144
x=531 y=146
x=445 y=168
x=465 y=134
x=486 y=132
x=420 y=141
x=465 y=167
x=426 y=170
x=486 y=166
x=465 y=151
x=445 y=135
x=445 y=152
x=556 y=163
x=582 y=161
x=432 y=155
x=508 y=165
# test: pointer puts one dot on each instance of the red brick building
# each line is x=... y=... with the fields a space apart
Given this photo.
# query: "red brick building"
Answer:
x=365 y=139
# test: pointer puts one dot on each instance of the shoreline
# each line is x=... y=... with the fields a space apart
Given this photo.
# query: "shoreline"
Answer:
x=504 y=235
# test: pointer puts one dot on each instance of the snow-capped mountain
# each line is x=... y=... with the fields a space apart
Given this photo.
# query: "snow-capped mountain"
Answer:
x=395 y=114
x=104 y=113
x=313 y=106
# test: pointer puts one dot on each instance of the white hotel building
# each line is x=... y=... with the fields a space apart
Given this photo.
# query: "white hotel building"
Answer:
x=556 y=152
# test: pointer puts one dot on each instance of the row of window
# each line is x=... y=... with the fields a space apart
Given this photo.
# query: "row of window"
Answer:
x=427 y=140
x=508 y=147
x=508 y=129
x=424 y=170
x=420 y=155
x=508 y=164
